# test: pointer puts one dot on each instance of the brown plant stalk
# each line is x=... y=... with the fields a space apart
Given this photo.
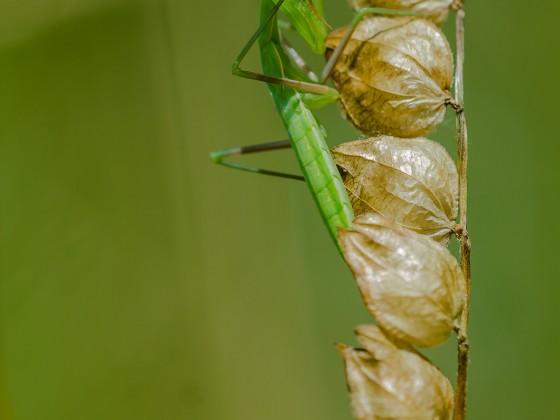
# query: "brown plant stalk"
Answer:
x=462 y=233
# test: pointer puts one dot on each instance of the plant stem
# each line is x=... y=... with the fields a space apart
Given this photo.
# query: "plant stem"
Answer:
x=462 y=164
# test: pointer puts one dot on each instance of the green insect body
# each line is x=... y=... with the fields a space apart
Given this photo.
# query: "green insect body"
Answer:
x=306 y=134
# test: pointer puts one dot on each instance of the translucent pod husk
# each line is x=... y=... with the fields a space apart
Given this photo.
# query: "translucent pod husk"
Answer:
x=412 y=285
x=393 y=76
x=413 y=182
x=435 y=10
x=388 y=381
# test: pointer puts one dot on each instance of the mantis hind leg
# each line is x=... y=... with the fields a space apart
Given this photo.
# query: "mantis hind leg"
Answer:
x=218 y=156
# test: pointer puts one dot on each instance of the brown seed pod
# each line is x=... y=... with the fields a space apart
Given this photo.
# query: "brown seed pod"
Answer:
x=413 y=182
x=435 y=10
x=412 y=285
x=387 y=381
x=393 y=76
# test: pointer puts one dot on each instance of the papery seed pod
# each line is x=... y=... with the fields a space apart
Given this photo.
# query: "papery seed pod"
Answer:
x=435 y=10
x=393 y=76
x=412 y=285
x=388 y=382
x=413 y=182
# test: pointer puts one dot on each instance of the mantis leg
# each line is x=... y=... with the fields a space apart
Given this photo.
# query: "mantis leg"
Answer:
x=298 y=60
x=218 y=156
x=296 y=84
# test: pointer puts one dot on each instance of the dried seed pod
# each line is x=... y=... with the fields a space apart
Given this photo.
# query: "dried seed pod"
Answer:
x=389 y=382
x=412 y=285
x=435 y=10
x=413 y=182
x=393 y=76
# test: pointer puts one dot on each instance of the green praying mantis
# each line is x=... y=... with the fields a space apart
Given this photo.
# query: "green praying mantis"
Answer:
x=295 y=91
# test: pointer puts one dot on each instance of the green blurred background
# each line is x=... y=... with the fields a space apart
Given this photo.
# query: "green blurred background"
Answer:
x=140 y=281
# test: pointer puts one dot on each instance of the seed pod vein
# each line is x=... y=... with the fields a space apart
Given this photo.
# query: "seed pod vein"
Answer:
x=393 y=76
x=388 y=380
x=412 y=285
x=413 y=182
